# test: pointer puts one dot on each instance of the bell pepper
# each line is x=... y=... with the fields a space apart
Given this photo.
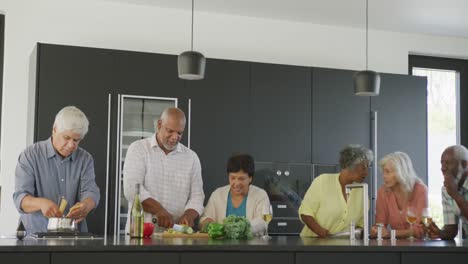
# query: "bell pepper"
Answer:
x=215 y=230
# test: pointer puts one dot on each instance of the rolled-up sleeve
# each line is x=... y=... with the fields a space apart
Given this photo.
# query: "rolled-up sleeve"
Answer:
x=197 y=196
x=89 y=188
x=311 y=202
x=24 y=180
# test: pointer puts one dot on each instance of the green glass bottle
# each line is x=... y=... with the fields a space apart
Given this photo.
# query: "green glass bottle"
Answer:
x=136 y=215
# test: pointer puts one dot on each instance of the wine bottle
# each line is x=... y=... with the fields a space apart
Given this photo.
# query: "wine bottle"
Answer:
x=136 y=215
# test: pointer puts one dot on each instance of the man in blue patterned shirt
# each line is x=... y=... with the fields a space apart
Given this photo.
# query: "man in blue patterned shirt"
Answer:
x=54 y=168
x=454 y=163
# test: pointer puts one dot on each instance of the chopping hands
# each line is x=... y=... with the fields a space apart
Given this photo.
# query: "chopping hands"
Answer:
x=164 y=218
x=188 y=218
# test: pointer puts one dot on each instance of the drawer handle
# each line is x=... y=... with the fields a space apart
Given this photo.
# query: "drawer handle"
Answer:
x=282 y=206
x=282 y=224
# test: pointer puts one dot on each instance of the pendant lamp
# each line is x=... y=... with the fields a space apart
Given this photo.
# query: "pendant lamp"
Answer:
x=191 y=64
x=367 y=83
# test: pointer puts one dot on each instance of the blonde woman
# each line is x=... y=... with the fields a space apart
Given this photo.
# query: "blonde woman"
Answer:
x=401 y=192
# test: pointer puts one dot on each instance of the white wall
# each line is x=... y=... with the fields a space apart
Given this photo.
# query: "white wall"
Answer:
x=119 y=26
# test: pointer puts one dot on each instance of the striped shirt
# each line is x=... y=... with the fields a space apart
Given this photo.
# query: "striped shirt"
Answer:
x=450 y=207
x=174 y=180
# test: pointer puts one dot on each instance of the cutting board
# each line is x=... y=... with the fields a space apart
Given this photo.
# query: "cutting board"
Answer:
x=194 y=235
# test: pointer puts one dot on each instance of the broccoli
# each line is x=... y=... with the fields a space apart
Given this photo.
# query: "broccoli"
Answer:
x=237 y=227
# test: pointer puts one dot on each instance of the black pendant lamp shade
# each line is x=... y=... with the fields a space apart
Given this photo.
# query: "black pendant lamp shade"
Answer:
x=367 y=83
x=191 y=64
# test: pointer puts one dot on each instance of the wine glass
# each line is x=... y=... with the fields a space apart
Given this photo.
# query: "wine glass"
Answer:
x=267 y=216
x=411 y=219
x=427 y=220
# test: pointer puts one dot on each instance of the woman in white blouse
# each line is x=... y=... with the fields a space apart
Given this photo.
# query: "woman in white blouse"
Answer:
x=239 y=197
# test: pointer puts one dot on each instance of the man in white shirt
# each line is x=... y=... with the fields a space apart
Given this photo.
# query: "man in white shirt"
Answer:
x=169 y=174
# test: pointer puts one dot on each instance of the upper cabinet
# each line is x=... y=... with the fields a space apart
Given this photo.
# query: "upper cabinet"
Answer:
x=402 y=119
x=281 y=112
x=220 y=118
x=338 y=116
x=147 y=74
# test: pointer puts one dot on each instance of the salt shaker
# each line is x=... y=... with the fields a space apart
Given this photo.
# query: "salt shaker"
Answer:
x=379 y=231
x=352 y=229
x=460 y=229
x=393 y=234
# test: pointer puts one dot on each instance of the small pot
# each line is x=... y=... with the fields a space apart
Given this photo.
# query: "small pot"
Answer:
x=61 y=224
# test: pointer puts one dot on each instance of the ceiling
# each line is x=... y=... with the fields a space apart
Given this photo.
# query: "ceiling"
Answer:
x=435 y=17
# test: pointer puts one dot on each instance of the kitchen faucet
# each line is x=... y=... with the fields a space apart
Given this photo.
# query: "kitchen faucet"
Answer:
x=365 y=202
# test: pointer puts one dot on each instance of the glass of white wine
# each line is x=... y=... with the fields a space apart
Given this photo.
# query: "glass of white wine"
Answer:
x=411 y=219
x=267 y=216
x=427 y=220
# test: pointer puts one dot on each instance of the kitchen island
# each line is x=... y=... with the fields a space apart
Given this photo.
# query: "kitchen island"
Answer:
x=280 y=249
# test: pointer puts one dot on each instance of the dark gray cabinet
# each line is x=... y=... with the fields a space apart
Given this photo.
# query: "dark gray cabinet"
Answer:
x=402 y=119
x=220 y=118
x=338 y=116
x=281 y=114
x=341 y=257
x=25 y=258
x=433 y=258
x=114 y=257
x=148 y=74
x=236 y=258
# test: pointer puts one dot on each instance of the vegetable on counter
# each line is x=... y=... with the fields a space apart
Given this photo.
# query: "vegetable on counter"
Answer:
x=237 y=227
x=233 y=227
x=215 y=230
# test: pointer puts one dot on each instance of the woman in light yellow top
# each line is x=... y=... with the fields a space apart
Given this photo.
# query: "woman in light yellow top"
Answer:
x=326 y=209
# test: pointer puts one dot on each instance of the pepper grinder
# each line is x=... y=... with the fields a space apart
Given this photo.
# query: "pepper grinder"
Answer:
x=20 y=232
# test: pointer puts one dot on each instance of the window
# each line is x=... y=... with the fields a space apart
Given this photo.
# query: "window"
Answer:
x=446 y=96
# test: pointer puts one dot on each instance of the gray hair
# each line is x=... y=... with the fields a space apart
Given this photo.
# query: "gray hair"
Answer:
x=459 y=152
x=73 y=119
x=352 y=155
x=404 y=169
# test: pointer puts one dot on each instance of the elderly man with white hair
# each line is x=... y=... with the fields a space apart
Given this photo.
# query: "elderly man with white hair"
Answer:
x=454 y=162
x=55 y=168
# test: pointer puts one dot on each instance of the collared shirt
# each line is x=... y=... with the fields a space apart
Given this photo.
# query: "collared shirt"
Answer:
x=174 y=180
x=324 y=201
x=450 y=207
x=42 y=172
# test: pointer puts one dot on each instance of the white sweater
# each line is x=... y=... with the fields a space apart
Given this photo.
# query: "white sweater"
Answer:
x=257 y=199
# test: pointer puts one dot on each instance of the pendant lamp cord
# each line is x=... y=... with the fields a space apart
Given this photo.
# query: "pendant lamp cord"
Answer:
x=367 y=34
x=191 y=45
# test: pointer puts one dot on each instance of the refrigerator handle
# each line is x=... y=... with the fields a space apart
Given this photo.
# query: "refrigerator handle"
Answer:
x=374 y=118
x=109 y=103
x=117 y=170
x=189 y=120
